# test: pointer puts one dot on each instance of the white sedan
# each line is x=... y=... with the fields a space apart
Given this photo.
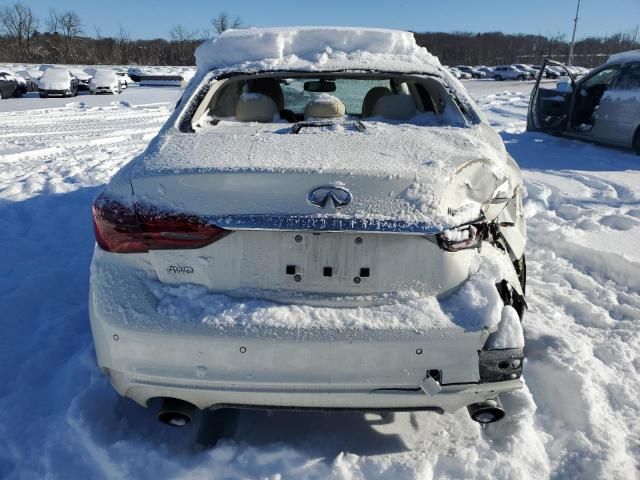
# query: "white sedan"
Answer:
x=335 y=227
x=105 y=81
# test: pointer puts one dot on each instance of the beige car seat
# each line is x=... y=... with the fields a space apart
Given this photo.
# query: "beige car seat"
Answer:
x=269 y=87
x=324 y=106
x=395 y=107
x=255 y=107
x=371 y=98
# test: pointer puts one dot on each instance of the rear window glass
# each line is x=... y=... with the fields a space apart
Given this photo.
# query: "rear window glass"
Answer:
x=351 y=92
x=332 y=97
x=629 y=78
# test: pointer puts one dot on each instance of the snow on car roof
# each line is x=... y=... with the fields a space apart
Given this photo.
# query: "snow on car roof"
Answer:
x=59 y=73
x=315 y=49
x=622 y=57
x=104 y=74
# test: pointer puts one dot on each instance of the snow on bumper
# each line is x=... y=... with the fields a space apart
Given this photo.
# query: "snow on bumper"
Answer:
x=146 y=355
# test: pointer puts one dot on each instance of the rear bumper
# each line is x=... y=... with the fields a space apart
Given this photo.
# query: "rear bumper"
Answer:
x=147 y=356
x=210 y=394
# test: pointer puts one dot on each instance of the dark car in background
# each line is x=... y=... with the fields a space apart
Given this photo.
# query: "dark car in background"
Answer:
x=8 y=86
x=602 y=106
x=475 y=73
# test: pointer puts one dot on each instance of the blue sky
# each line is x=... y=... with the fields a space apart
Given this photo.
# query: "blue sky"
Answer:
x=154 y=18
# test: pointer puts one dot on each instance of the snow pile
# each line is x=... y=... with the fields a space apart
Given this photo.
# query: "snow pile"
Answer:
x=314 y=49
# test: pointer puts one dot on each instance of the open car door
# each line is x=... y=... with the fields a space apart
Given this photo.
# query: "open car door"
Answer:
x=549 y=107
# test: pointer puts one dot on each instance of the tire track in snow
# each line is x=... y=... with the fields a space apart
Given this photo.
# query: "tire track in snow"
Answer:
x=82 y=146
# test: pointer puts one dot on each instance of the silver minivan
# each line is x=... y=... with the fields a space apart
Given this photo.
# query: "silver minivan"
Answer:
x=602 y=106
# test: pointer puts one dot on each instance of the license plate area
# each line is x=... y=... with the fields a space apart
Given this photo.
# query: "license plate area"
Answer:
x=323 y=259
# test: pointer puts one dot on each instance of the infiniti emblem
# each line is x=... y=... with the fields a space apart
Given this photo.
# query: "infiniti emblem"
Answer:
x=336 y=196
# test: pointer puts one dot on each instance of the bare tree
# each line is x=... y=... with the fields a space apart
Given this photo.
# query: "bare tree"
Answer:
x=19 y=24
x=71 y=28
x=223 y=22
x=183 y=38
x=122 y=42
x=53 y=22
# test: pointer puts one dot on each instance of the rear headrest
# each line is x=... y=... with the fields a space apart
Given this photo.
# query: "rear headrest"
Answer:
x=371 y=98
x=324 y=106
x=395 y=107
x=255 y=107
x=269 y=87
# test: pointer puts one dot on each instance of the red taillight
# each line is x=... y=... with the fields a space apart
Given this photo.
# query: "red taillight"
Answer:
x=134 y=229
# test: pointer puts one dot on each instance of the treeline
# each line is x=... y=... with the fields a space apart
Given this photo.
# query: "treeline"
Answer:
x=62 y=37
x=496 y=48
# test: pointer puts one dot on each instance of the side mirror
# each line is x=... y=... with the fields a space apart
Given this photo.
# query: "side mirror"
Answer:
x=564 y=87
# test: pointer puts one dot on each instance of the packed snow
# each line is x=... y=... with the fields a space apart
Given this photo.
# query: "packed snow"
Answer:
x=576 y=418
x=314 y=49
x=472 y=308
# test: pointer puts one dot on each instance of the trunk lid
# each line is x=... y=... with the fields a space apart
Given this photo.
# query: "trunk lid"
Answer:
x=396 y=173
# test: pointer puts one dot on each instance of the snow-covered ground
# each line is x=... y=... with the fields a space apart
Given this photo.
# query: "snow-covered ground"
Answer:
x=576 y=418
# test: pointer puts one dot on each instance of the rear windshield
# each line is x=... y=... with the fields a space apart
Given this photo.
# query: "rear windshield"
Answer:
x=327 y=97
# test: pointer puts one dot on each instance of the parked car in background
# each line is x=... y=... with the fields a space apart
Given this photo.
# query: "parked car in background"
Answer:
x=487 y=70
x=105 y=81
x=474 y=72
x=528 y=69
x=135 y=73
x=57 y=81
x=23 y=86
x=8 y=86
x=125 y=79
x=304 y=201
x=459 y=73
x=509 y=72
x=548 y=72
x=31 y=76
x=602 y=106
x=83 y=78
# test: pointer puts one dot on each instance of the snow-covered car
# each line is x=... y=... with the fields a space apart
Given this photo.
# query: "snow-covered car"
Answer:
x=22 y=84
x=124 y=78
x=602 y=106
x=325 y=222
x=509 y=72
x=528 y=69
x=8 y=86
x=487 y=70
x=548 y=72
x=83 y=78
x=57 y=81
x=459 y=73
x=31 y=76
x=474 y=72
x=105 y=81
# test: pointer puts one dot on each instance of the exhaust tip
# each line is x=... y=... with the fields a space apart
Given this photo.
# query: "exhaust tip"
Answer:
x=175 y=413
x=486 y=412
x=174 y=419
